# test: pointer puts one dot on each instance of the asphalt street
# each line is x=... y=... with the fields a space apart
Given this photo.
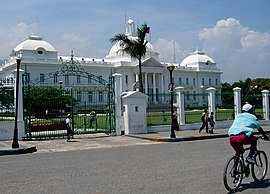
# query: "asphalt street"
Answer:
x=167 y=167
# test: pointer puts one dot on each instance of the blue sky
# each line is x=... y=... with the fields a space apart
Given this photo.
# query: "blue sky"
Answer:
x=235 y=33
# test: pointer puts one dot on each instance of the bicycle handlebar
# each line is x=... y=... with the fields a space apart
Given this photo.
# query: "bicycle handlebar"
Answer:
x=263 y=138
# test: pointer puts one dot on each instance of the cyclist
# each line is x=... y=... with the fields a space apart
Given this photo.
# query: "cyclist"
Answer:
x=240 y=132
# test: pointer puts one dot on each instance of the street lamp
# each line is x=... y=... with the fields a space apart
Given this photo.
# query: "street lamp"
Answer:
x=15 y=143
x=170 y=68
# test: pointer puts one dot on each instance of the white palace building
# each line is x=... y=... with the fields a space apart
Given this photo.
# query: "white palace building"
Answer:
x=195 y=73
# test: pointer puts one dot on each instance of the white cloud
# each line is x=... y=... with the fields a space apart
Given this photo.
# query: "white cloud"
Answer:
x=239 y=51
x=81 y=46
x=11 y=36
x=70 y=42
x=255 y=40
x=169 y=50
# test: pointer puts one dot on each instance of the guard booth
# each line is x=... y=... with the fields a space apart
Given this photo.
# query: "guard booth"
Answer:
x=134 y=112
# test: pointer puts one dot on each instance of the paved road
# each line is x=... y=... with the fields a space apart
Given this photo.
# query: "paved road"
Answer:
x=179 y=167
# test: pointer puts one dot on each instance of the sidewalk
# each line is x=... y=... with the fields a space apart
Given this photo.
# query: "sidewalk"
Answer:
x=93 y=141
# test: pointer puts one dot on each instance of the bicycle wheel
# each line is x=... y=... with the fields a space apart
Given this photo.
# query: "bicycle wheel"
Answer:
x=259 y=169
x=233 y=173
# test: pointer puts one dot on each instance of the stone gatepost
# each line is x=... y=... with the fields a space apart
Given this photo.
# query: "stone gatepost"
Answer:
x=118 y=103
x=180 y=105
x=237 y=100
x=134 y=112
x=20 y=121
x=212 y=100
x=265 y=95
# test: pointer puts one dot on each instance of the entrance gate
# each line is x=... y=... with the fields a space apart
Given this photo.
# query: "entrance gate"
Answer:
x=49 y=99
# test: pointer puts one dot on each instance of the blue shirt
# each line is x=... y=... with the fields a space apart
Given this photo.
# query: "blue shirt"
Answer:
x=244 y=123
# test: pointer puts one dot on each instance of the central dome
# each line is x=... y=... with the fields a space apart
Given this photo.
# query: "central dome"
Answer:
x=115 y=51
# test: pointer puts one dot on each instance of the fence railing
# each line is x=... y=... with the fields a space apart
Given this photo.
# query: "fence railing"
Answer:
x=7 y=107
x=159 y=114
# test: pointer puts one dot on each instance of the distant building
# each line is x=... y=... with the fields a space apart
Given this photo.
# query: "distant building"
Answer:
x=195 y=73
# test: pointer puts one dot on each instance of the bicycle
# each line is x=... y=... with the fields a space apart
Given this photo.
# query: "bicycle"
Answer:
x=237 y=169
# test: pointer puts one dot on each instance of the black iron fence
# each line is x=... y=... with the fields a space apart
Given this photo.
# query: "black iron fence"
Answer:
x=7 y=107
x=46 y=110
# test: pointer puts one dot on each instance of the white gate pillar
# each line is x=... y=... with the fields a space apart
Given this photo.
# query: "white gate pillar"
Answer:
x=180 y=105
x=265 y=95
x=237 y=100
x=118 y=103
x=212 y=100
x=20 y=122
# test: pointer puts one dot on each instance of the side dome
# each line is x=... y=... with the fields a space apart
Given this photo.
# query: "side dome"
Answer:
x=34 y=42
x=196 y=58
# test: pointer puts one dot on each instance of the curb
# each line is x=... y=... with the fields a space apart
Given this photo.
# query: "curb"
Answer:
x=193 y=138
x=177 y=139
x=18 y=151
x=190 y=138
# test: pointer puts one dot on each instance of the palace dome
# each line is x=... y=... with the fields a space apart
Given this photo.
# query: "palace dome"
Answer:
x=196 y=58
x=115 y=51
x=34 y=42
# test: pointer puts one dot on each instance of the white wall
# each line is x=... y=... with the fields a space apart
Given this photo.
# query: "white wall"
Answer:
x=7 y=130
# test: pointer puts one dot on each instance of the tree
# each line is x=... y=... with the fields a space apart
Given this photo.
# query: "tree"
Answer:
x=40 y=99
x=227 y=95
x=135 y=47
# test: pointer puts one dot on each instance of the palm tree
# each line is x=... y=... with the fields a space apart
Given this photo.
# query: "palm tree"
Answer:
x=135 y=47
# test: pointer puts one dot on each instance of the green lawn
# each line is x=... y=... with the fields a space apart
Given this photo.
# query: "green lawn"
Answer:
x=190 y=117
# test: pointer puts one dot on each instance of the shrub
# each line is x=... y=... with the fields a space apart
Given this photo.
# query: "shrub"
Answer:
x=50 y=126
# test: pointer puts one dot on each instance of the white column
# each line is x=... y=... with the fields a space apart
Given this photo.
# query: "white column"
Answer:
x=154 y=88
x=162 y=87
x=136 y=77
x=237 y=100
x=180 y=105
x=265 y=95
x=118 y=103
x=212 y=101
x=145 y=83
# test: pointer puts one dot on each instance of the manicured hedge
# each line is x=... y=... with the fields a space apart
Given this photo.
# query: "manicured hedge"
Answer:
x=50 y=126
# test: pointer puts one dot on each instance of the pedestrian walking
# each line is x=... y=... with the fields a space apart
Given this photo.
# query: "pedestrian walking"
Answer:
x=93 y=116
x=175 y=122
x=211 y=122
x=204 y=119
x=68 y=125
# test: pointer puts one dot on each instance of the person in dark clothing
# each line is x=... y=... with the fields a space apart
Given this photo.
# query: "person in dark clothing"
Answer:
x=211 y=122
x=204 y=119
x=175 y=122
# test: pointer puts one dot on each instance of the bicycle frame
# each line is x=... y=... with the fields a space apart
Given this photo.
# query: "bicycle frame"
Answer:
x=246 y=165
